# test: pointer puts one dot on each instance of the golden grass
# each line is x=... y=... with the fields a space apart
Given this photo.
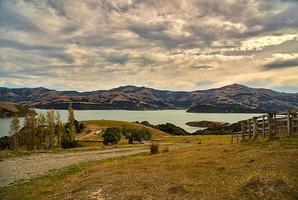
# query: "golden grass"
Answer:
x=207 y=168
x=9 y=106
x=119 y=124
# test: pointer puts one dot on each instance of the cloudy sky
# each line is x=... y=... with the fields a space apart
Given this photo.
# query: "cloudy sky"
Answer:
x=166 y=44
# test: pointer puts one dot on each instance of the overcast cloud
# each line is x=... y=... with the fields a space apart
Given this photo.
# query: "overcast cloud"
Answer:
x=168 y=44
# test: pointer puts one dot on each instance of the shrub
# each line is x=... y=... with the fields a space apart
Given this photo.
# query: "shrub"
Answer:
x=5 y=143
x=111 y=135
x=145 y=134
x=69 y=144
x=166 y=150
x=136 y=134
x=154 y=148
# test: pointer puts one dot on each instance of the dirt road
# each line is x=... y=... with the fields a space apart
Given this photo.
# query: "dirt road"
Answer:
x=27 y=167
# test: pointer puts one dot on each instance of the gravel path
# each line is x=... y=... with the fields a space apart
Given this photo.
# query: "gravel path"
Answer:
x=24 y=168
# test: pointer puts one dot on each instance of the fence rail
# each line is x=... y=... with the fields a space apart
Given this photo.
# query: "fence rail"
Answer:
x=268 y=125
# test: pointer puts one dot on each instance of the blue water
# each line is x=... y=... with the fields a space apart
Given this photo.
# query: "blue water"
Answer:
x=177 y=117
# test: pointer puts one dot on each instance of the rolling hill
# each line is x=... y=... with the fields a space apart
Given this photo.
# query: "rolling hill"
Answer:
x=231 y=98
x=10 y=109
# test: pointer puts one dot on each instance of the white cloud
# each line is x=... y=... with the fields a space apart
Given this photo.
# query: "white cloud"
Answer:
x=170 y=44
x=258 y=43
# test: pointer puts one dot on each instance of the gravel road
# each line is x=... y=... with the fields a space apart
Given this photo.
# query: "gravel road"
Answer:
x=27 y=167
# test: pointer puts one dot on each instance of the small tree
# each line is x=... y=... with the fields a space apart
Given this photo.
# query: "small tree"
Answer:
x=71 y=121
x=137 y=135
x=59 y=129
x=51 y=127
x=145 y=134
x=111 y=135
x=14 y=129
x=41 y=124
x=154 y=148
x=14 y=125
x=69 y=133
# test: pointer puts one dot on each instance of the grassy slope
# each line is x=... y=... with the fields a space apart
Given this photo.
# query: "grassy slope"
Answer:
x=213 y=169
x=94 y=145
x=12 y=109
x=119 y=124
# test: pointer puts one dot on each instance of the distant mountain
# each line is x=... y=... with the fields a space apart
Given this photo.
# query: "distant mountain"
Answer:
x=231 y=98
x=239 y=98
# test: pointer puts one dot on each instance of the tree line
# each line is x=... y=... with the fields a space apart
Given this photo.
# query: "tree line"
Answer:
x=41 y=131
x=112 y=135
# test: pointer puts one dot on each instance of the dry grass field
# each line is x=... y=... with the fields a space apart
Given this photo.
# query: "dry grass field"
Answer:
x=208 y=167
x=120 y=124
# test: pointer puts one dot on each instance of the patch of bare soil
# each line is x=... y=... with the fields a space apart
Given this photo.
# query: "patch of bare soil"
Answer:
x=91 y=133
x=24 y=168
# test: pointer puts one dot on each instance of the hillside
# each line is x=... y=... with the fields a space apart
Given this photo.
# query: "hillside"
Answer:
x=231 y=98
x=120 y=124
x=10 y=109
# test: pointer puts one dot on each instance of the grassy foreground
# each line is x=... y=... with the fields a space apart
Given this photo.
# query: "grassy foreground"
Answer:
x=208 y=168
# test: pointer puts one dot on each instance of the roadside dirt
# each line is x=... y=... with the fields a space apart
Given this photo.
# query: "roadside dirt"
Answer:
x=27 y=167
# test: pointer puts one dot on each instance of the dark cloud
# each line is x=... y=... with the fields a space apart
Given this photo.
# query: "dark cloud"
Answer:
x=24 y=47
x=282 y=64
x=120 y=59
x=202 y=67
x=11 y=19
x=48 y=51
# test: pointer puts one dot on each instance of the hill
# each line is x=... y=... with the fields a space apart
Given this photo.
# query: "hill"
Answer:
x=231 y=98
x=10 y=109
x=120 y=124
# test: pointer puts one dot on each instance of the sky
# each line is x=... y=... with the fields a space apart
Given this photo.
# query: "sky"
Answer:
x=187 y=45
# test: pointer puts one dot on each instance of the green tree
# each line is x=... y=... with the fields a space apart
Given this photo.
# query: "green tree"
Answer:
x=137 y=135
x=14 y=125
x=111 y=135
x=28 y=132
x=51 y=127
x=14 y=129
x=71 y=122
x=59 y=129
x=145 y=134
x=41 y=124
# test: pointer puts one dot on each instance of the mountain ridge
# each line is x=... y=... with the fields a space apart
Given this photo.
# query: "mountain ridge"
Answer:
x=230 y=98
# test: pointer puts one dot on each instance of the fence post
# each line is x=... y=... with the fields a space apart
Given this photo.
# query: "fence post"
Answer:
x=249 y=126
x=242 y=131
x=263 y=127
x=255 y=127
x=232 y=138
x=275 y=124
x=269 y=115
x=289 y=123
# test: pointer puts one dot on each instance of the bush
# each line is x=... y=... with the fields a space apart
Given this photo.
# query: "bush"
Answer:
x=78 y=126
x=69 y=144
x=154 y=148
x=5 y=143
x=66 y=141
x=166 y=149
x=145 y=134
x=111 y=135
x=137 y=135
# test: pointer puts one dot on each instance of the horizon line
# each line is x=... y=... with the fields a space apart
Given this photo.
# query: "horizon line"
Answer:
x=129 y=85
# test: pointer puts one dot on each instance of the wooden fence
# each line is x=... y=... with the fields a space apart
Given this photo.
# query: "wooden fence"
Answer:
x=269 y=125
